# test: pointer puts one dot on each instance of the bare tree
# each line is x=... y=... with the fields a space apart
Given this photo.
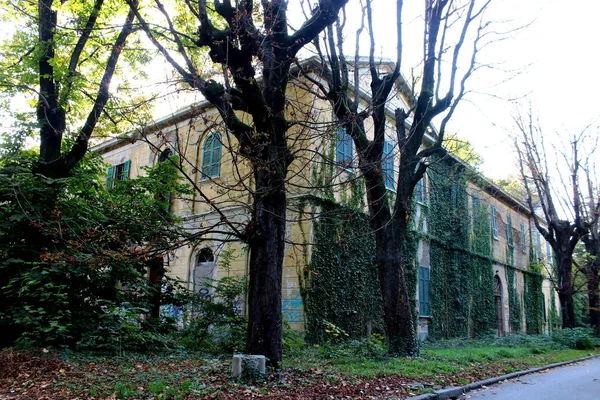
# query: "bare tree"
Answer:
x=452 y=30
x=252 y=44
x=591 y=242
x=559 y=214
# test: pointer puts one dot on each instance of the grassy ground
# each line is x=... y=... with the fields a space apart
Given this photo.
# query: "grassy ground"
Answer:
x=358 y=371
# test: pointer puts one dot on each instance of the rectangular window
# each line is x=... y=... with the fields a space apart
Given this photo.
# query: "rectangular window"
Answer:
x=475 y=209
x=119 y=172
x=343 y=148
x=387 y=165
x=523 y=238
x=549 y=253
x=420 y=190
x=424 y=291
x=537 y=245
x=494 y=222
x=454 y=194
x=509 y=231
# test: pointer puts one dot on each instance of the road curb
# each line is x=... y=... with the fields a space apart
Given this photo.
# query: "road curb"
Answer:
x=455 y=392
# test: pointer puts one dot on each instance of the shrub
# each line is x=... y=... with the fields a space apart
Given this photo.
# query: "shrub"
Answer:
x=576 y=338
x=216 y=323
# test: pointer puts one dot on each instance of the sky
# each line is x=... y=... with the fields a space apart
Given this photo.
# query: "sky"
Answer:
x=560 y=80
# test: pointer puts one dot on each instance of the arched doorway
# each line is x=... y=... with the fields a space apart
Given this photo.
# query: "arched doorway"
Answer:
x=498 y=305
x=204 y=269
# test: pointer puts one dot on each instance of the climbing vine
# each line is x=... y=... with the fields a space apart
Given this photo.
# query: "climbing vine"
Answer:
x=515 y=314
x=534 y=299
x=462 y=291
x=341 y=284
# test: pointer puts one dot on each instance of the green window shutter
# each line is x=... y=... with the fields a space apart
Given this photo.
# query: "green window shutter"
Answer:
x=126 y=167
x=494 y=222
x=216 y=155
x=211 y=156
x=343 y=148
x=110 y=173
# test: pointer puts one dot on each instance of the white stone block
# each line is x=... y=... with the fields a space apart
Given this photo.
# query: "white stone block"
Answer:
x=249 y=365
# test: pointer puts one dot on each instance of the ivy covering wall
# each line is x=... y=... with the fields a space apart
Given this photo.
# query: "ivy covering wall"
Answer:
x=515 y=315
x=462 y=288
x=534 y=299
x=341 y=284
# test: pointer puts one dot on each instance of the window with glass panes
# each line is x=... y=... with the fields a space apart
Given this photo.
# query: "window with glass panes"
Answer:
x=119 y=172
x=475 y=209
x=424 y=278
x=420 y=190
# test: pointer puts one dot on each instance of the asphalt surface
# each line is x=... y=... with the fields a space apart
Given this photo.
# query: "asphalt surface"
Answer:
x=579 y=381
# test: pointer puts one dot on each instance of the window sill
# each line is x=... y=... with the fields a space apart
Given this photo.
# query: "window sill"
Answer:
x=210 y=179
x=349 y=169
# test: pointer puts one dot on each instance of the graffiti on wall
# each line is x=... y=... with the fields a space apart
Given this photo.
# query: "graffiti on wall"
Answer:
x=292 y=308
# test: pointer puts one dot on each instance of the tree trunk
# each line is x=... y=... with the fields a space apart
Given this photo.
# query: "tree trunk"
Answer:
x=156 y=273
x=593 y=283
x=398 y=315
x=265 y=326
x=390 y=234
x=565 y=290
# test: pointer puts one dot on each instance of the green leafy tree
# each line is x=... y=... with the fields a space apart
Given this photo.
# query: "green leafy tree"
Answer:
x=59 y=62
x=89 y=282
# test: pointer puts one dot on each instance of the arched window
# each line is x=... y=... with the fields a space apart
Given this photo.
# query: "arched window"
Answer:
x=204 y=270
x=205 y=255
x=211 y=156
x=165 y=154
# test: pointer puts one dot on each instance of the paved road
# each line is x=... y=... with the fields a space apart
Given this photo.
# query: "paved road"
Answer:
x=574 y=382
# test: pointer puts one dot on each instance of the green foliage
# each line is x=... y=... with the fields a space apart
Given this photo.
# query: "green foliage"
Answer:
x=341 y=284
x=216 y=324
x=293 y=342
x=20 y=52
x=74 y=257
x=515 y=315
x=462 y=297
x=576 y=338
x=534 y=302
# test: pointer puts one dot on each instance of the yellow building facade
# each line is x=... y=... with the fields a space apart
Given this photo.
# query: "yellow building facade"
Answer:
x=221 y=183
